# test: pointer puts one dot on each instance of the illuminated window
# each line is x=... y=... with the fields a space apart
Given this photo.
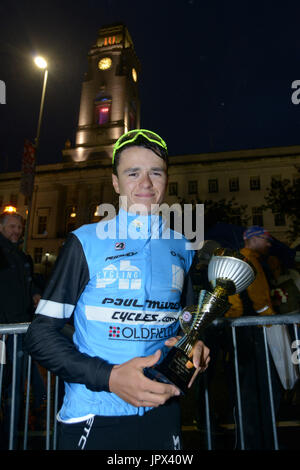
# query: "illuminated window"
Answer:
x=102 y=109
x=102 y=113
x=109 y=40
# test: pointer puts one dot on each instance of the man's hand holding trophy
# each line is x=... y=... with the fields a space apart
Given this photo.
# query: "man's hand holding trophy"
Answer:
x=229 y=273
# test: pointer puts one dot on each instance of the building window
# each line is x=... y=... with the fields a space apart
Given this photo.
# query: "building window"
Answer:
x=71 y=217
x=102 y=113
x=173 y=189
x=38 y=254
x=236 y=220
x=132 y=116
x=193 y=187
x=275 y=179
x=257 y=216
x=132 y=120
x=14 y=200
x=279 y=219
x=93 y=216
x=254 y=183
x=109 y=40
x=296 y=179
x=42 y=225
x=70 y=226
x=234 y=184
x=213 y=186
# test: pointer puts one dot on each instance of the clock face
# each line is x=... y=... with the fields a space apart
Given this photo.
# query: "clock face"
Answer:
x=105 y=63
x=134 y=75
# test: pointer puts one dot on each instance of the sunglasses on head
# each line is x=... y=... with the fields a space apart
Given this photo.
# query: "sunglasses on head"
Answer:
x=131 y=136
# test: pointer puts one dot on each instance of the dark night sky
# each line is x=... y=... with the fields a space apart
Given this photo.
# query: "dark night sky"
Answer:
x=215 y=75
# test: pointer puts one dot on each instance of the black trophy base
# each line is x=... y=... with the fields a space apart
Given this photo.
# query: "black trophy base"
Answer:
x=172 y=370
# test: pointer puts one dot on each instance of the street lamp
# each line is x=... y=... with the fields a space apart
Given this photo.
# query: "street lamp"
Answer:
x=41 y=63
x=10 y=209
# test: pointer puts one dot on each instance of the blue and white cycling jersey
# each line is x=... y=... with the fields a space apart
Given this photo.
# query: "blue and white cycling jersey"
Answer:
x=126 y=295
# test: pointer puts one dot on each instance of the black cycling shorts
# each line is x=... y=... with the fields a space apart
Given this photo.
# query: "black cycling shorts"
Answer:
x=158 y=429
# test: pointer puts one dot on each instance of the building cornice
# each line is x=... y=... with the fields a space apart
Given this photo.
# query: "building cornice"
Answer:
x=174 y=160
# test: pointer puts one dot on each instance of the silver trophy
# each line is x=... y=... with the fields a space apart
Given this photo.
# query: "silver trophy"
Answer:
x=229 y=273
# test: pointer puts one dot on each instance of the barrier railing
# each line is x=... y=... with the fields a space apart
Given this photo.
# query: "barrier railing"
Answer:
x=52 y=392
x=264 y=321
x=14 y=330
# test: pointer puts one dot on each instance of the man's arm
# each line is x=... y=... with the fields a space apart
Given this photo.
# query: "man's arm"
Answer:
x=45 y=341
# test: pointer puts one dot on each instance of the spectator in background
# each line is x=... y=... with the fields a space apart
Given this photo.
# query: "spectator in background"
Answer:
x=19 y=297
x=256 y=300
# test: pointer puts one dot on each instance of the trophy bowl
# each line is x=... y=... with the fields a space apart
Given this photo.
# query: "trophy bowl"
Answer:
x=226 y=264
x=229 y=273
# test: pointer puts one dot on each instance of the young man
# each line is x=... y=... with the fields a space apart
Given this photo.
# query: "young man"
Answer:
x=126 y=292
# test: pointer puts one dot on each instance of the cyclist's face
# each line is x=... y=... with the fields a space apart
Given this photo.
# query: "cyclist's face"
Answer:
x=142 y=177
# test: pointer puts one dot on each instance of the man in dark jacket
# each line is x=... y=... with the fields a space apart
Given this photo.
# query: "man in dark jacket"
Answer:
x=18 y=299
x=18 y=296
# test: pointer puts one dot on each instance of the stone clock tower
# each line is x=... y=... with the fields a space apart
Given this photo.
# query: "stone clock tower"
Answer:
x=109 y=103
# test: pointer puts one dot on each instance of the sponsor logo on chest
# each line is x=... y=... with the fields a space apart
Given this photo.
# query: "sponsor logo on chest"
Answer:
x=127 y=276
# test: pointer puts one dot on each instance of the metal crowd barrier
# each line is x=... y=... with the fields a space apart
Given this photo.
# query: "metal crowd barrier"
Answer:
x=15 y=330
x=52 y=398
x=263 y=321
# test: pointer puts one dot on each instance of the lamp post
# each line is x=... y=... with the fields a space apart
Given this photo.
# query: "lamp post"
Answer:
x=41 y=63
